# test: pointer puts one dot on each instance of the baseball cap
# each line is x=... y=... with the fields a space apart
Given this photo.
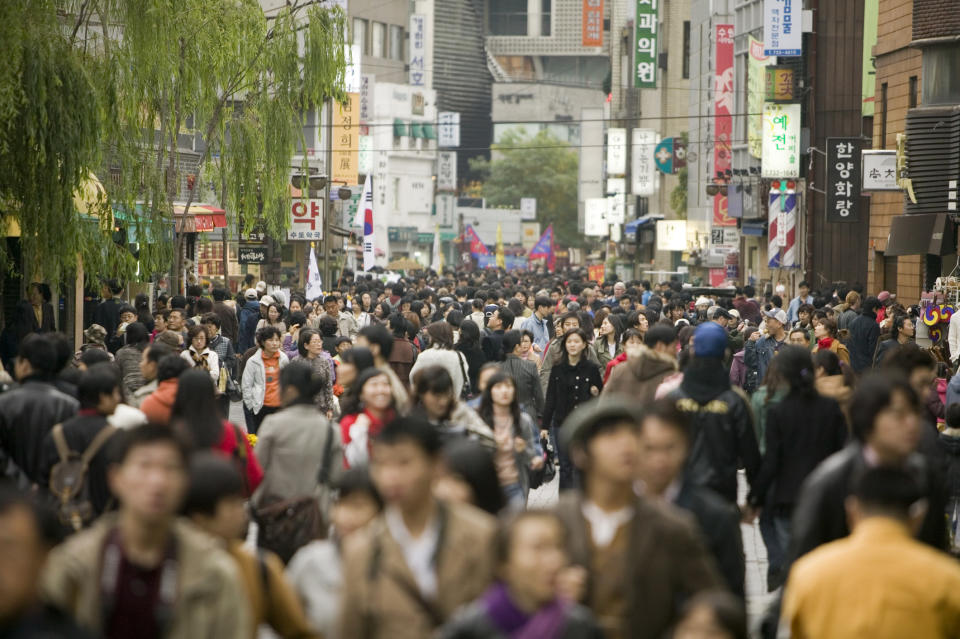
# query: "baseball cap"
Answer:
x=490 y=309
x=709 y=340
x=717 y=311
x=703 y=301
x=261 y=286
x=777 y=314
x=733 y=313
x=251 y=294
x=885 y=295
x=266 y=300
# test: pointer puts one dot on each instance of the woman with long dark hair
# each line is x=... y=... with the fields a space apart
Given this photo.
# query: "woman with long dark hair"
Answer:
x=436 y=400
x=574 y=379
x=518 y=451
x=802 y=430
x=468 y=475
x=142 y=305
x=195 y=412
x=608 y=344
x=469 y=345
x=128 y=358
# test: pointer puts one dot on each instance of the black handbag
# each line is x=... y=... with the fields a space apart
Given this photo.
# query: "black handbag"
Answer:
x=546 y=473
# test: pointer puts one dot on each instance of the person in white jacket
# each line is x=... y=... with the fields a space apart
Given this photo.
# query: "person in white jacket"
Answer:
x=261 y=378
x=441 y=353
x=199 y=354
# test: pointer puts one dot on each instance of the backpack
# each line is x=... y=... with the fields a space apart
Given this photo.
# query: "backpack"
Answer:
x=68 y=478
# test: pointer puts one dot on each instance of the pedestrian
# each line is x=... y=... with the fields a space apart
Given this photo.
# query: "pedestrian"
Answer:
x=310 y=350
x=864 y=334
x=469 y=346
x=664 y=446
x=34 y=314
x=850 y=313
x=803 y=297
x=274 y=316
x=226 y=310
x=216 y=504
x=468 y=475
x=950 y=440
x=347 y=325
x=158 y=404
x=646 y=365
x=370 y=405
x=328 y=333
x=834 y=380
x=441 y=353
x=402 y=577
x=107 y=313
x=607 y=345
x=902 y=331
x=199 y=355
x=554 y=353
x=380 y=342
x=261 y=377
x=435 y=400
x=299 y=448
x=720 y=417
x=248 y=316
x=922 y=586
x=149 y=364
x=227 y=359
x=129 y=356
x=539 y=324
x=195 y=413
x=759 y=349
x=715 y=614
x=402 y=354
x=825 y=333
x=295 y=322
x=634 y=559
x=142 y=572
x=524 y=373
x=524 y=602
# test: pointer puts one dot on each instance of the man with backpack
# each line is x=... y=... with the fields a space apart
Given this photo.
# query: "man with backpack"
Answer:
x=73 y=457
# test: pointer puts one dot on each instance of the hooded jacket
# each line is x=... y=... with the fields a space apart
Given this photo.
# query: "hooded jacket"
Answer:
x=247 y=318
x=159 y=404
x=639 y=376
x=864 y=333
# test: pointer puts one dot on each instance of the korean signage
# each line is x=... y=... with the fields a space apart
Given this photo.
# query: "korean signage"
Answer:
x=724 y=239
x=843 y=179
x=643 y=166
x=352 y=74
x=346 y=143
x=593 y=23
x=306 y=220
x=756 y=82
x=447 y=171
x=781 y=141
x=880 y=171
x=645 y=55
x=402 y=233
x=448 y=129
x=616 y=151
x=365 y=155
x=528 y=208
x=418 y=50
x=446 y=208
x=254 y=254
x=595 y=217
x=780 y=84
x=782 y=27
x=366 y=98
x=257 y=235
x=723 y=118
x=671 y=235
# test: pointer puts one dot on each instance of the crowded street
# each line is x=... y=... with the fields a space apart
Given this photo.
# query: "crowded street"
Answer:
x=480 y=319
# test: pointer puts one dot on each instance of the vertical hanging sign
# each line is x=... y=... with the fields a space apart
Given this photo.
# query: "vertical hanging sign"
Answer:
x=843 y=179
x=782 y=27
x=723 y=118
x=645 y=53
x=346 y=145
x=781 y=141
x=616 y=151
x=642 y=164
x=592 y=23
x=756 y=81
x=418 y=50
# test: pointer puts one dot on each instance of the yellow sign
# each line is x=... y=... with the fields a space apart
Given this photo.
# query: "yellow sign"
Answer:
x=346 y=141
x=780 y=84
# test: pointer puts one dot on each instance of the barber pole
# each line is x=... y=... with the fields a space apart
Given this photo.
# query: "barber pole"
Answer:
x=782 y=227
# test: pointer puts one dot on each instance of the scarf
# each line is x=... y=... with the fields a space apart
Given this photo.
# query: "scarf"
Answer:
x=546 y=623
x=825 y=343
x=705 y=378
x=200 y=359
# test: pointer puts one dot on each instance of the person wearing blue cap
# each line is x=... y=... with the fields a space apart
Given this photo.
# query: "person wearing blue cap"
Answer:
x=723 y=438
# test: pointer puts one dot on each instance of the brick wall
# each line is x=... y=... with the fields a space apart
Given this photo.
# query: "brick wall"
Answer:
x=935 y=18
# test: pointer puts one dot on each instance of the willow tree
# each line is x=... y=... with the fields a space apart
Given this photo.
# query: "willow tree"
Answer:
x=220 y=69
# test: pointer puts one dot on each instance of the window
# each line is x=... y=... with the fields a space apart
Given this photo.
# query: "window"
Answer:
x=545 y=23
x=686 y=49
x=913 y=91
x=396 y=42
x=508 y=17
x=378 y=40
x=360 y=35
x=941 y=75
x=883 y=115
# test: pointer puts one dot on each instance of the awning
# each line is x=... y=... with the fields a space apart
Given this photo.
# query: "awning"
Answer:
x=416 y=130
x=754 y=230
x=429 y=131
x=200 y=219
x=633 y=226
x=400 y=129
x=922 y=234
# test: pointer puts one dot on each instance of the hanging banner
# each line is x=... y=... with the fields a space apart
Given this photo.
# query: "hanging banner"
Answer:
x=447 y=171
x=596 y=272
x=645 y=54
x=723 y=118
x=782 y=225
x=616 y=151
x=346 y=143
x=448 y=129
x=366 y=98
x=756 y=80
x=643 y=167
x=871 y=14
x=781 y=141
x=782 y=27
x=844 y=171
x=418 y=50
x=592 y=23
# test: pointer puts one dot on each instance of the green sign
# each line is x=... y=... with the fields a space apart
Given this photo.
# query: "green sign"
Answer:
x=424 y=238
x=646 y=51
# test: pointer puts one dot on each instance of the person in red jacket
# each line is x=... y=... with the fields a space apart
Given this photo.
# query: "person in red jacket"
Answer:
x=368 y=408
x=158 y=404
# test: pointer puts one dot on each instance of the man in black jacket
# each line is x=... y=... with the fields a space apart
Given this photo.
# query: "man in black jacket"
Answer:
x=229 y=324
x=664 y=444
x=497 y=324
x=525 y=375
x=107 y=314
x=29 y=412
x=864 y=333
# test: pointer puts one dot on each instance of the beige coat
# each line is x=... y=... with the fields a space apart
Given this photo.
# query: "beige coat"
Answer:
x=639 y=376
x=211 y=602
x=377 y=595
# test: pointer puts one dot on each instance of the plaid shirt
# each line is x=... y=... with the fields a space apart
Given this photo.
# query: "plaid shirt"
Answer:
x=223 y=347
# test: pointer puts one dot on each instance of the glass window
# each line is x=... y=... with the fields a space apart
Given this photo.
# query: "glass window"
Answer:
x=396 y=42
x=508 y=17
x=686 y=49
x=941 y=75
x=378 y=40
x=545 y=22
x=360 y=35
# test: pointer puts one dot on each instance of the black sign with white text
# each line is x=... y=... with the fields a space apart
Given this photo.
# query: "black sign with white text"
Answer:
x=844 y=168
x=252 y=254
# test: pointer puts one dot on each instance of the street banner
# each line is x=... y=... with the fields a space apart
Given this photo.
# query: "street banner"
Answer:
x=723 y=118
x=783 y=27
x=595 y=272
x=346 y=146
x=543 y=249
x=477 y=247
x=643 y=166
x=592 y=23
x=368 y=250
x=843 y=179
x=437 y=263
x=501 y=262
x=646 y=52
x=418 y=50
x=314 y=283
x=756 y=83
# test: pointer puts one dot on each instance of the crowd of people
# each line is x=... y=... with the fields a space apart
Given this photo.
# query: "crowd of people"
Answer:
x=389 y=436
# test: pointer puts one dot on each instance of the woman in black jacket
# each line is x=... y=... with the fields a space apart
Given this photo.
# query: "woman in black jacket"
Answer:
x=802 y=430
x=574 y=379
x=469 y=345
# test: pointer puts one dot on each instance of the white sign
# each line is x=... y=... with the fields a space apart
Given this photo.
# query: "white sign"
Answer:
x=724 y=239
x=366 y=98
x=880 y=171
x=448 y=129
x=416 y=194
x=644 y=168
x=616 y=185
x=616 y=209
x=447 y=171
x=306 y=220
x=418 y=49
x=352 y=75
x=446 y=209
x=616 y=233
x=781 y=141
x=783 y=27
x=365 y=155
x=616 y=151
x=528 y=208
x=671 y=235
x=595 y=217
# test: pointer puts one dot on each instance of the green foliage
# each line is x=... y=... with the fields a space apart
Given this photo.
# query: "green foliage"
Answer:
x=678 y=196
x=541 y=166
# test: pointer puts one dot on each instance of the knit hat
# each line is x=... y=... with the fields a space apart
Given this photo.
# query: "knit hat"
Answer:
x=709 y=340
x=96 y=334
